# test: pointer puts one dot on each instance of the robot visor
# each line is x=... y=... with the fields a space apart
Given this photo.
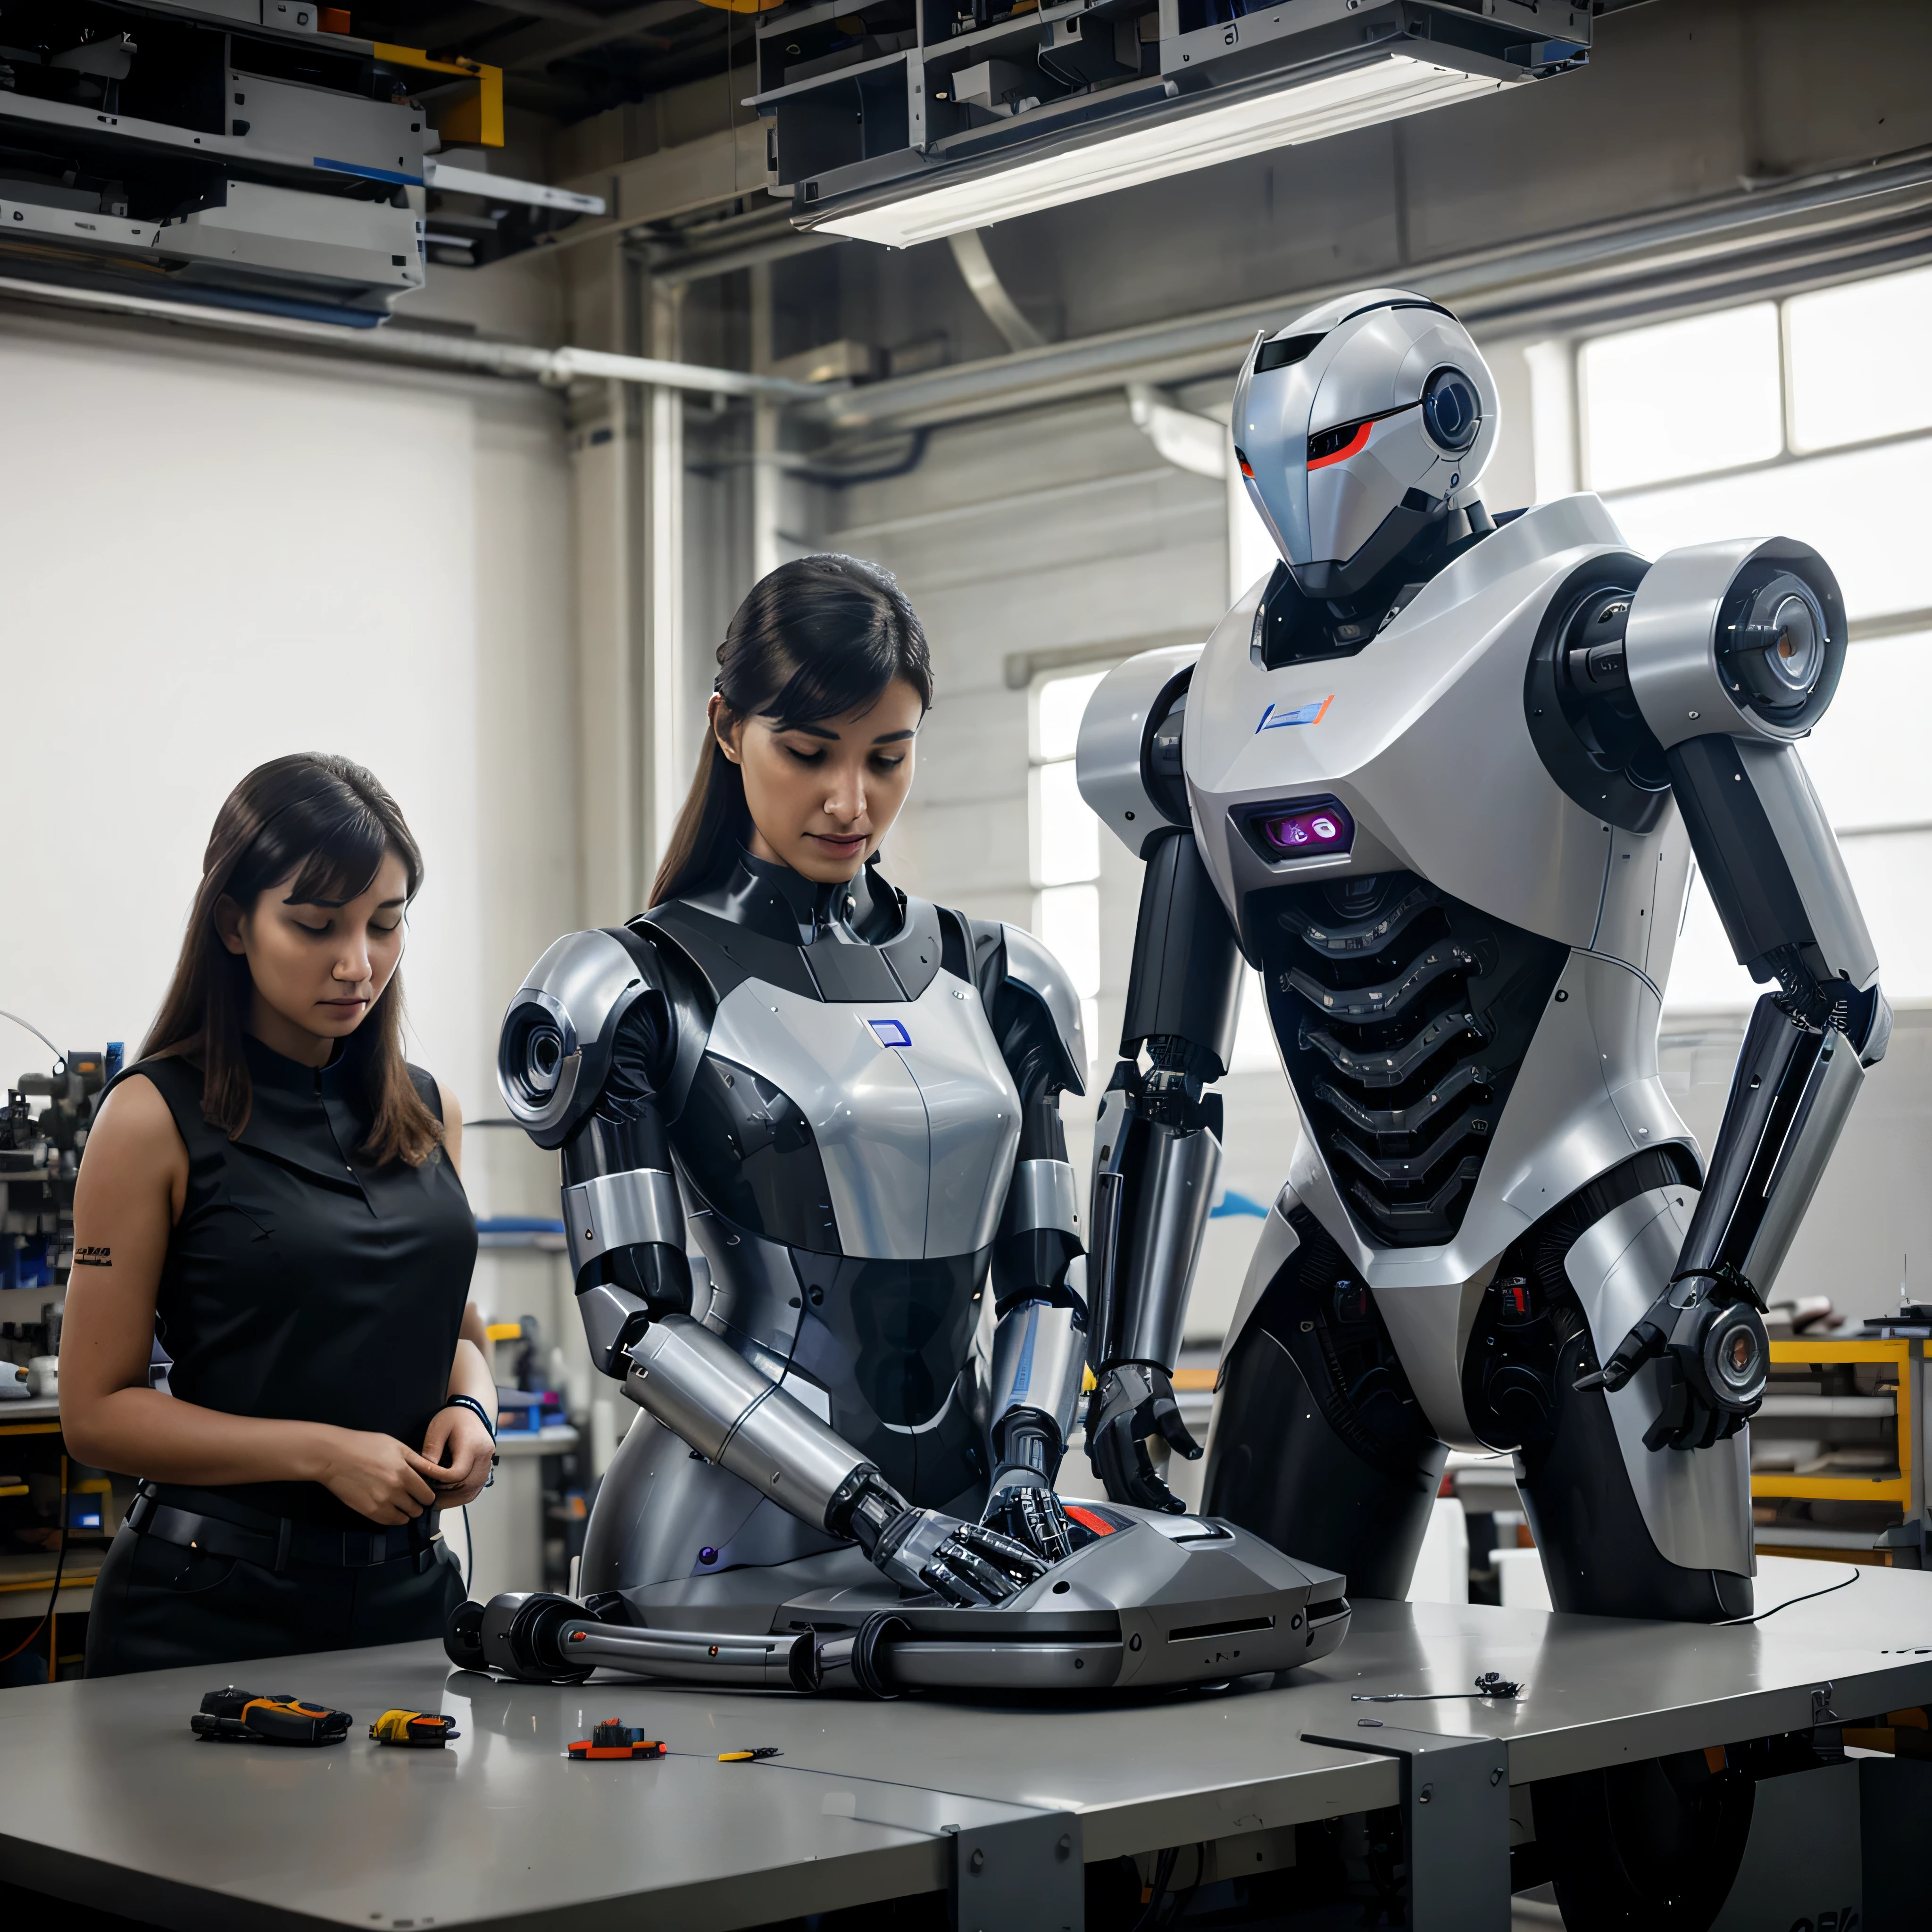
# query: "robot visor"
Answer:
x=1349 y=439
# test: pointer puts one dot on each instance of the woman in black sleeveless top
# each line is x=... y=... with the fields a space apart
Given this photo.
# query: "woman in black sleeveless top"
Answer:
x=272 y=1190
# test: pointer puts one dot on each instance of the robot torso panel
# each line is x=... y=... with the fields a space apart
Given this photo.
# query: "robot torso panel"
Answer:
x=1441 y=779
x=804 y=1128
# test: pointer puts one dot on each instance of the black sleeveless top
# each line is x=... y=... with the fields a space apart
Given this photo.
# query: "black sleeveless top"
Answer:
x=303 y=1282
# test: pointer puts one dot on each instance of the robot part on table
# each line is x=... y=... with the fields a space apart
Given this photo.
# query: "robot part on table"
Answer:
x=1440 y=778
x=844 y=1446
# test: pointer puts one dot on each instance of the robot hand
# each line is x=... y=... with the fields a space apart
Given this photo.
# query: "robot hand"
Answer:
x=1135 y=1399
x=1023 y=1507
x=924 y=1549
x=1706 y=1327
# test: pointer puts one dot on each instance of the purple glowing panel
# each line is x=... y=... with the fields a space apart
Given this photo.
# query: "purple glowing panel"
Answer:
x=1302 y=833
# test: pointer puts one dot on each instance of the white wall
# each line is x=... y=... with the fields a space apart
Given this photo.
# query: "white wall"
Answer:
x=219 y=554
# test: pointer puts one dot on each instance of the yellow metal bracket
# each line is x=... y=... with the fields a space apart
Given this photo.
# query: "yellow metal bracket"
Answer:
x=473 y=115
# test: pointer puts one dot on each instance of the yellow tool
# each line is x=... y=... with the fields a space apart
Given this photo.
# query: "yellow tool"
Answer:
x=421 y=1730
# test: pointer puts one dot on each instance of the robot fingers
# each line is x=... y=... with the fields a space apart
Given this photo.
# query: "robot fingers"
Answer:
x=1121 y=1462
x=1643 y=1342
x=1166 y=1418
x=1031 y=1514
x=975 y=1565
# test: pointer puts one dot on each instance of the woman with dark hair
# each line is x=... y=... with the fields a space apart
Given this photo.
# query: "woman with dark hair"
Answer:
x=805 y=1122
x=272 y=1191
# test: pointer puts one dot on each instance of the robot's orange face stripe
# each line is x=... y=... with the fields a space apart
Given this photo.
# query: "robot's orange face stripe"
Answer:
x=1355 y=445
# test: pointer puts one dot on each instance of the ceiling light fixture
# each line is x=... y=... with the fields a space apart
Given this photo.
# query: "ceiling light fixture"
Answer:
x=1172 y=141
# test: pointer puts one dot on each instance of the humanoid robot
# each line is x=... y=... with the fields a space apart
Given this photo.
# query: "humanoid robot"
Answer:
x=861 y=1092
x=1440 y=778
x=848 y=1101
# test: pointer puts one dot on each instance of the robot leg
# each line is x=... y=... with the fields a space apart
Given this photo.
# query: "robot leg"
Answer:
x=1319 y=1445
x=1623 y=1530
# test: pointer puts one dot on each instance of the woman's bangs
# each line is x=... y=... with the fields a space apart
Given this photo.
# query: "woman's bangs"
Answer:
x=836 y=683
x=343 y=864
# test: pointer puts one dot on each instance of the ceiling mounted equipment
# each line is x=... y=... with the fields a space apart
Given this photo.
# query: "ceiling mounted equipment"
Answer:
x=903 y=121
x=245 y=153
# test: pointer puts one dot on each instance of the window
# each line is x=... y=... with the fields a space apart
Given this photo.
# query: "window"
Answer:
x=1681 y=399
x=1804 y=418
x=1066 y=843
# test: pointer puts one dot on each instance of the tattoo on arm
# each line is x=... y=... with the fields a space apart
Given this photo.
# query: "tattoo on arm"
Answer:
x=93 y=1257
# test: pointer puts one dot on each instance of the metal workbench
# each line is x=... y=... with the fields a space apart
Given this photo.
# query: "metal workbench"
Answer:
x=102 y=1780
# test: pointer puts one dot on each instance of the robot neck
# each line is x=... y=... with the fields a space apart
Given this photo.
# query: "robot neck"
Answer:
x=784 y=905
x=1340 y=606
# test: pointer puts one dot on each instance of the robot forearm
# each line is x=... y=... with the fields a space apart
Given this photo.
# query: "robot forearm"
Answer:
x=703 y=1391
x=1158 y=1156
x=1039 y=1352
x=706 y=1393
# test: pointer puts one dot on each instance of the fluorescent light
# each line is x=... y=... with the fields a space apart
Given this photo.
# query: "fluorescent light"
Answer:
x=1144 y=151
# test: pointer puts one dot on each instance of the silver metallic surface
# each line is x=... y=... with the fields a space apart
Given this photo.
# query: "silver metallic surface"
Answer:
x=1670 y=641
x=1113 y=730
x=1390 y=733
x=1044 y=1194
x=610 y=1211
x=691 y=1656
x=1377 y=349
x=916 y=1139
x=605 y=1311
x=1040 y=1357
x=1030 y=964
x=700 y=1387
x=582 y=987
x=1809 y=846
x=1175 y=1190
x=1833 y=1085
x=1696 y=1503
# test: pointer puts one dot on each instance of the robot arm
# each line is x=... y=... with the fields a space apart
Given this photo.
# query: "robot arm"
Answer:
x=1157 y=1137
x=702 y=1389
x=584 y=1044
x=1727 y=653
x=1040 y=1345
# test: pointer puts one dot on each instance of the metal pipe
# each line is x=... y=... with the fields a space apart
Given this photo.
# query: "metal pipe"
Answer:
x=780 y=1663
x=1491 y=285
x=555 y=368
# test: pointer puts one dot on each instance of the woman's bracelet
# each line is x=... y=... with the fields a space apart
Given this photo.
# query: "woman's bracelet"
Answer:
x=475 y=1408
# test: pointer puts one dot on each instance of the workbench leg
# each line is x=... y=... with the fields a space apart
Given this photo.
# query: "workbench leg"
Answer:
x=1026 y=1875
x=1455 y=1824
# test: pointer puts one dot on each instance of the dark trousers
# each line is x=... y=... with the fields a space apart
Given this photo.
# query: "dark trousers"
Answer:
x=158 y=1605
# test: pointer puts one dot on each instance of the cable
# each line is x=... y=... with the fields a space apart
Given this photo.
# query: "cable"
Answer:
x=60 y=1563
x=468 y=1551
x=60 y=1058
x=1730 y=1623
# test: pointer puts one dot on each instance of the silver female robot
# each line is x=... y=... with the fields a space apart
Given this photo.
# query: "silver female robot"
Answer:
x=1440 y=778
x=850 y=1099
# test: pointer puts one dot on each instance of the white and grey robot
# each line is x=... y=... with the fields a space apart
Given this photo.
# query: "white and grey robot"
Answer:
x=1440 y=778
x=856 y=1095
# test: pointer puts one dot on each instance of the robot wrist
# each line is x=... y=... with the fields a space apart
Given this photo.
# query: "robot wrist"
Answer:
x=865 y=1506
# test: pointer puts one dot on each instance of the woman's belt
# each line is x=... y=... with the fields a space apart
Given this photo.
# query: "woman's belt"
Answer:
x=188 y=1517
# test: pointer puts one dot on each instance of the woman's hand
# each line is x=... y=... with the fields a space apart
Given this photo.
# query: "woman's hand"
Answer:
x=378 y=1476
x=462 y=1447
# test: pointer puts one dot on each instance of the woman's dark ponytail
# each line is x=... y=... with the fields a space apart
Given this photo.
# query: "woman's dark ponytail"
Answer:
x=817 y=638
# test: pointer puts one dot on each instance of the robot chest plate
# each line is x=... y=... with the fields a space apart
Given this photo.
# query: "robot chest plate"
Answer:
x=885 y=1129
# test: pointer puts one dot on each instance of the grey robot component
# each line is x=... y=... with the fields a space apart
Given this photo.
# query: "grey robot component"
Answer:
x=849 y=1101
x=1149 y=1601
x=1443 y=775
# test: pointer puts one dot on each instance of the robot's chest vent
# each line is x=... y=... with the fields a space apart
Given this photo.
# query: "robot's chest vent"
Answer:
x=1404 y=1015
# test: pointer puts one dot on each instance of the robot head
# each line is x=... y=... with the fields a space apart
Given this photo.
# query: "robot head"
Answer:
x=1358 y=425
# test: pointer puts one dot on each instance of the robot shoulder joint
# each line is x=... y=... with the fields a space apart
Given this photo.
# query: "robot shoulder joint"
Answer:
x=1034 y=971
x=1129 y=756
x=555 y=1050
